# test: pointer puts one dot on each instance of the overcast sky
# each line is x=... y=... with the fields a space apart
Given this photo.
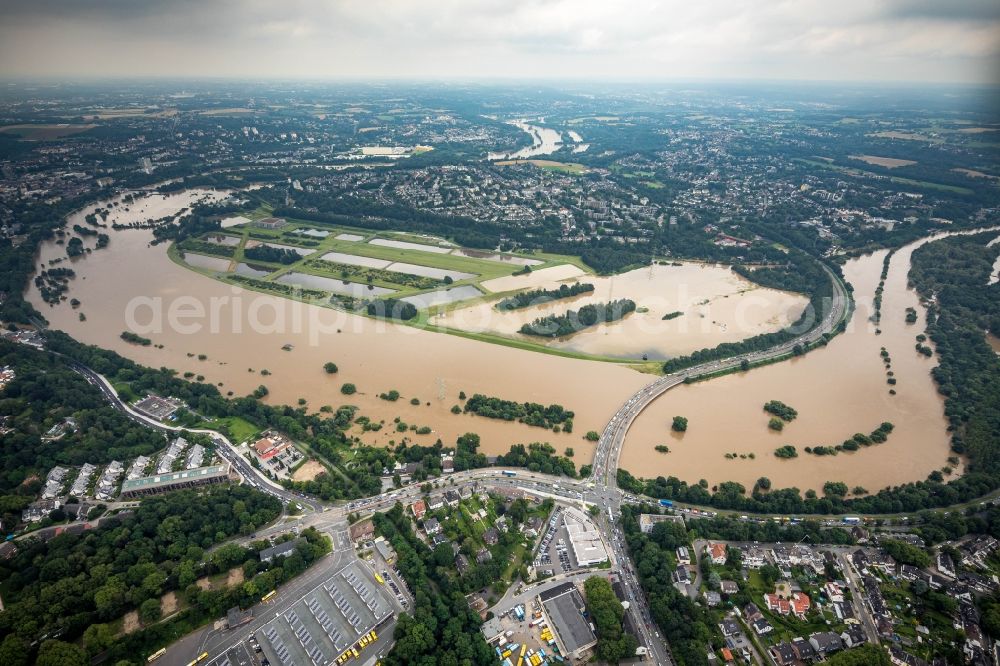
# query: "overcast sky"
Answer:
x=854 y=40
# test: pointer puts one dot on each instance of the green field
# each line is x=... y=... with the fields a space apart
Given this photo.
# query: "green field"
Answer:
x=859 y=173
x=403 y=284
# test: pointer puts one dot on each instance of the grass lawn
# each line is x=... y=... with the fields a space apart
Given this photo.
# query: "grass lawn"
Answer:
x=240 y=429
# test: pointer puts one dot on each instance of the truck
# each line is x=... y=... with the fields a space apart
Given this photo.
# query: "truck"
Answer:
x=852 y=520
x=666 y=503
x=507 y=472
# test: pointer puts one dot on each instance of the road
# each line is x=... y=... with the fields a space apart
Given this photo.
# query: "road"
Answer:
x=601 y=489
x=609 y=446
x=223 y=446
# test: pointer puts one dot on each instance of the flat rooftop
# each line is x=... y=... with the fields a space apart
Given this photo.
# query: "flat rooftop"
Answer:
x=564 y=612
x=160 y=480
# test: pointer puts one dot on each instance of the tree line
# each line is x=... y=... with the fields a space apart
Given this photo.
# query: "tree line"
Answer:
x=572 y=321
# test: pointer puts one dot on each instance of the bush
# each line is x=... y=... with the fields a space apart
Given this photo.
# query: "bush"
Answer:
x=348 y=389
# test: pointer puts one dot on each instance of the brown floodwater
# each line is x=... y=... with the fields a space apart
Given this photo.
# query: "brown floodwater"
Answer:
x=125 y=285
x=717 y=306
x=838 y=391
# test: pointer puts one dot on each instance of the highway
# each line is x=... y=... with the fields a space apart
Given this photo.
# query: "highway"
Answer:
x=605 y=467
x=601 y=489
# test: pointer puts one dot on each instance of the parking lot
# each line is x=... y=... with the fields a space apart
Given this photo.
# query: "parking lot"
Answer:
x=555 y=556
x=327 y=621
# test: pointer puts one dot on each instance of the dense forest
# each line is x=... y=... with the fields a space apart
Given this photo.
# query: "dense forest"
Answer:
x=75 y=585
x=442 y=629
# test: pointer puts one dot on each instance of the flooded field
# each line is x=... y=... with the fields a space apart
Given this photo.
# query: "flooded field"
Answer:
x=533 y=279
x=503 y=258
x=355 y=260
x=716 y=306
x=428 y=271
x=330 y=284
x=129 y=281
x=838 y=391
x=405 y=245
x=221 y=239
x=443 y=296
x=251 y=271
x=206 y=262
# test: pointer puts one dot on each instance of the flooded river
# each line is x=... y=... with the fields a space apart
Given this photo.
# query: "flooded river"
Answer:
x=241 y=329
x=544 y=141
x=838 y=391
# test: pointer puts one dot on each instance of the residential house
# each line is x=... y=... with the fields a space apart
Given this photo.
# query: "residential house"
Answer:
x=783 y=654
x=804 y=649
x=945 y=564
x=797 y=604
x=418 y=509
x=683 y=556
x=717 y=551
x=431 y=526
x=362 y=530
x=826 y=643
x=729 y=627
x=753 y=558
x=853 y=636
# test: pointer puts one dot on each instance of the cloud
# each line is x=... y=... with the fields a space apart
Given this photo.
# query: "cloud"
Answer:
x=908 y=40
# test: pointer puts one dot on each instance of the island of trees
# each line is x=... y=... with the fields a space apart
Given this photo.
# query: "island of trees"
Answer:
x=539 y=296
x=781 y=410
x=391 y=308
x=530 y=413
x=556 y=326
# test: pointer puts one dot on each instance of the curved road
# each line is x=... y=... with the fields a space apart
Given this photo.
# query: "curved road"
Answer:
x=605 y=468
